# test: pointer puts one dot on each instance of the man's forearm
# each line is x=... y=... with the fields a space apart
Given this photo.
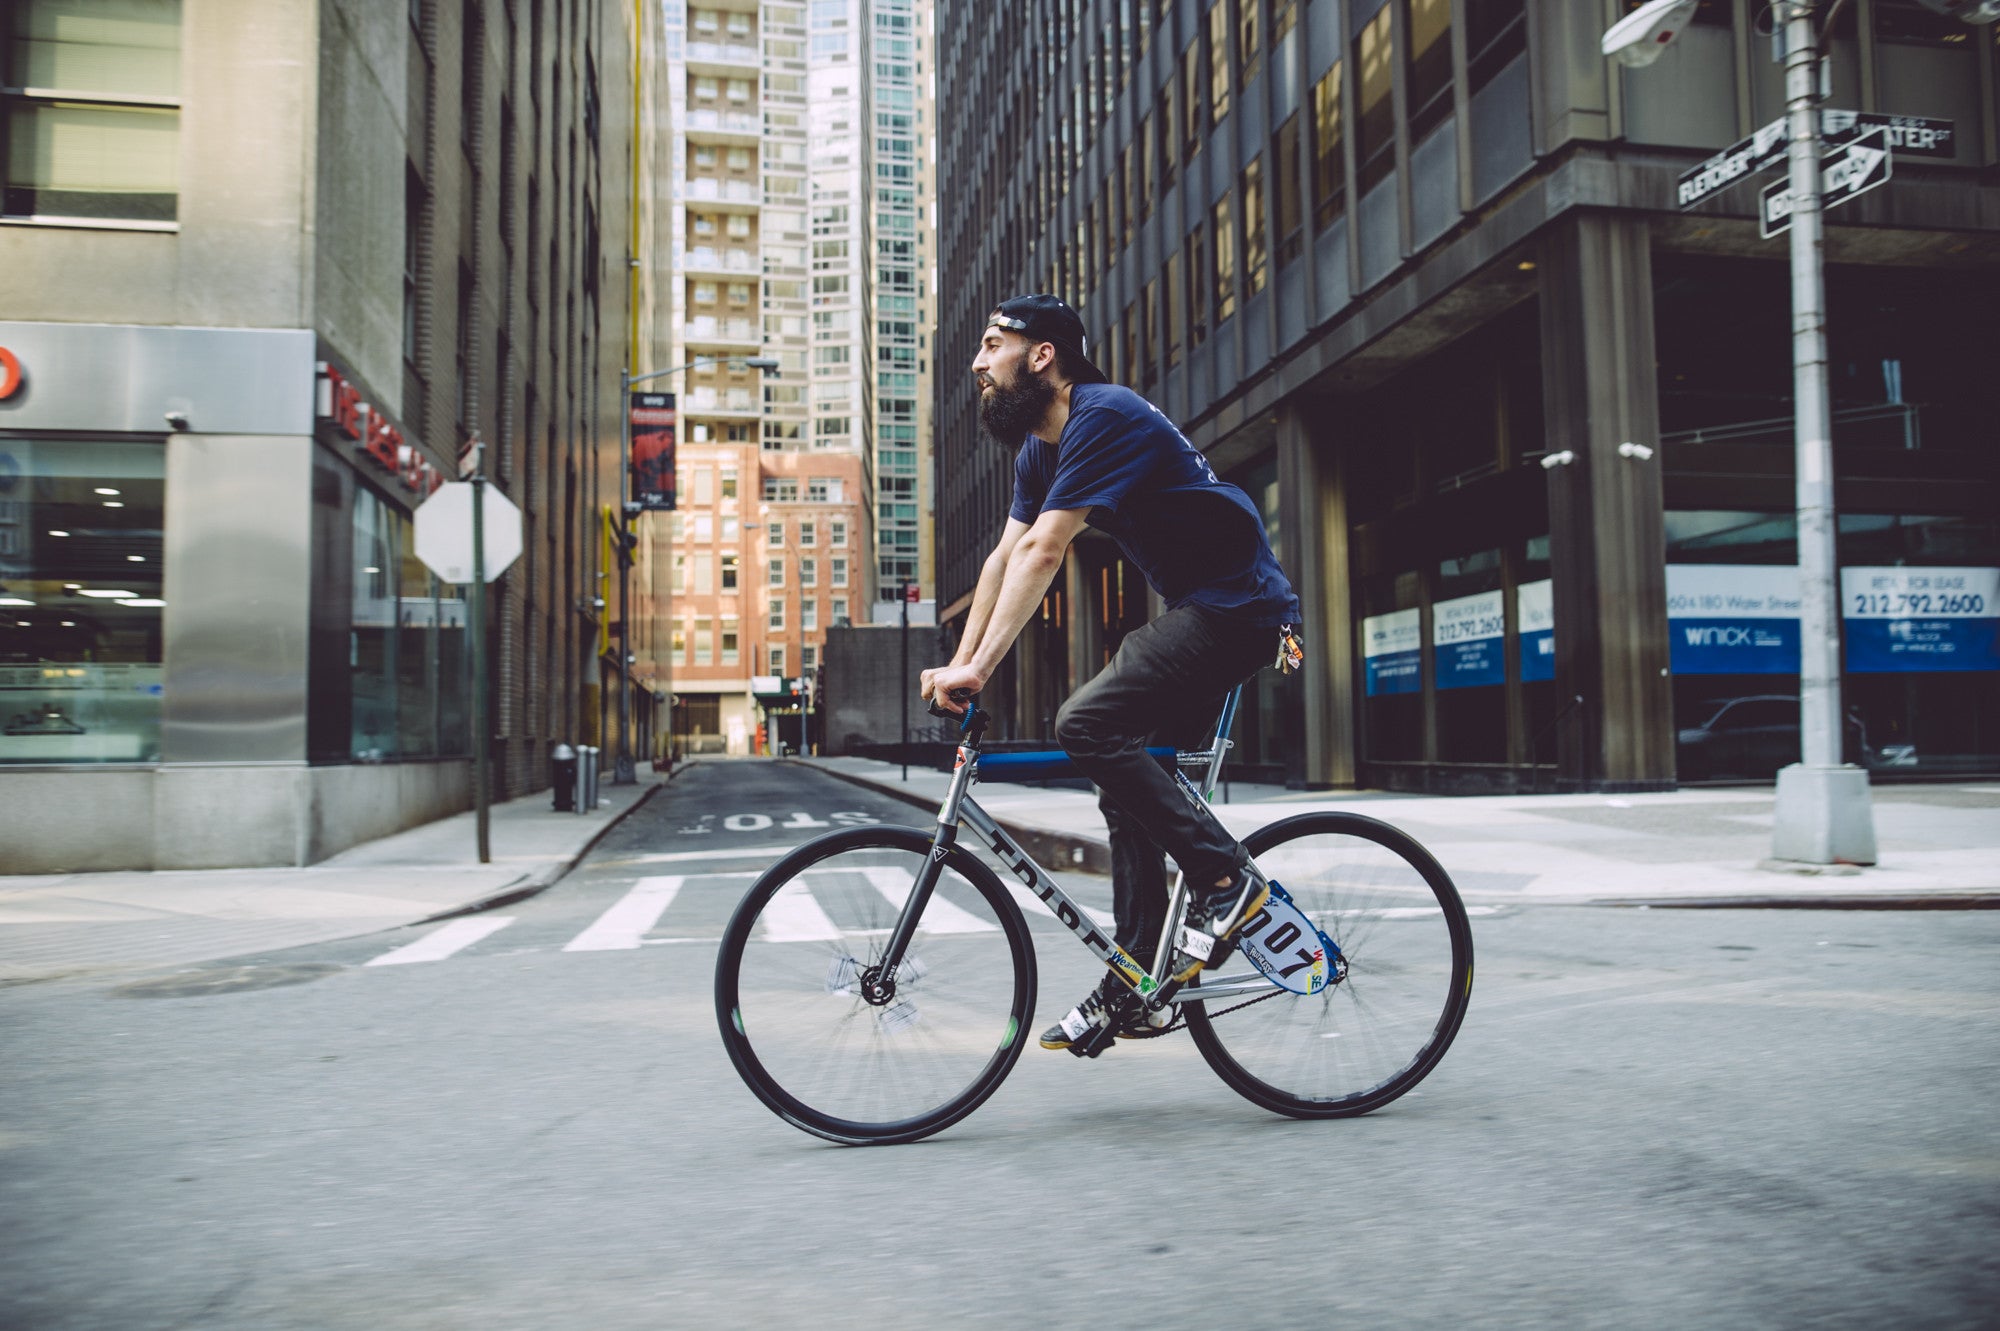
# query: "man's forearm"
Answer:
x=991 y=575
x=1031 y=567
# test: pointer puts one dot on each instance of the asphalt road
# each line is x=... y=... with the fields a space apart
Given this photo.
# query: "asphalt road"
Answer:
x=1651 y=1119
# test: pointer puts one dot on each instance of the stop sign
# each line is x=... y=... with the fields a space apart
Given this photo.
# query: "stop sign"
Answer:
x=444 y=532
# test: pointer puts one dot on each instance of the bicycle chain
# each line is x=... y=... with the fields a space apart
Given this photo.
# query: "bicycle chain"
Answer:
x=1180 y=1019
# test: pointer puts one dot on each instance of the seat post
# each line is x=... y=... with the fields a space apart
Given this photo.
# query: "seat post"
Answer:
x=1219 y=749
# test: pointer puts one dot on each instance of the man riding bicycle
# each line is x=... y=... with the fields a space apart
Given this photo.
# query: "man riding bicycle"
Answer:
x=1090 y=453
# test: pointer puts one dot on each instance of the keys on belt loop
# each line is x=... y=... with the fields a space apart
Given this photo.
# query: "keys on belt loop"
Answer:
x=1291 y=653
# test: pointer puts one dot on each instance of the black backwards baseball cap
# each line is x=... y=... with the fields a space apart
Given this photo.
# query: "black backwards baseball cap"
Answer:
x=1045 y=318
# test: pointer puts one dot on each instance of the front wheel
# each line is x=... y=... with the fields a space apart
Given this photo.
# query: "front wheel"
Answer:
x=799 y=988
x=1359 y=1043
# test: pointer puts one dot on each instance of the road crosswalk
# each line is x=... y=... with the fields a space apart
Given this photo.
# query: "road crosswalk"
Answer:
x=659 y=909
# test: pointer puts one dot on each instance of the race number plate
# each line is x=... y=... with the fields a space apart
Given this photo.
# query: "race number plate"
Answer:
x=1281 y=942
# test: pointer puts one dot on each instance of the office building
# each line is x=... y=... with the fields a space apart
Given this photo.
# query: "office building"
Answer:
x=275 y=272
x=1414 y=273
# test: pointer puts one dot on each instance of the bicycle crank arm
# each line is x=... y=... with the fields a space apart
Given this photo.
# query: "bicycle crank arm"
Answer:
x=1224 y=986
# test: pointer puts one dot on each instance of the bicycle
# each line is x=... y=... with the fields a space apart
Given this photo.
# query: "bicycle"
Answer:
x=906 y=1015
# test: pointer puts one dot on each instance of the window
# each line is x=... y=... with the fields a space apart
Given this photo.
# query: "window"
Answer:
x=1247 y=52
x=839 y=571
x=1197 y=287
x=774 y=575
x=1329 y=173
x=1176 y=310
x=838 y=609
x=1167 y=137
x=701 y=487
x=1375 y=137
x=1195 y=124
x=413 y=226
x=729 y=640
x=780 y=490
x=1149 y=363
x=1218 y=62
x=776 y=659
x=1429 y=72
x=1225 y=260
x=1496 y=31
x=680 y=647
x=808 y=532
x=82 y=521
x=1254 y=253
x=808 y=615
x=1284 y=14
x=808 y=573
x=775 y=533
x=704 y=527
x=729 y=482
x=99 y=139
x=776 y=620
x=837 y=532
x=824 y=489
x=1285 y=176
x=729 y=572
x=808 y=657
x=704 y=642
x=704 y=573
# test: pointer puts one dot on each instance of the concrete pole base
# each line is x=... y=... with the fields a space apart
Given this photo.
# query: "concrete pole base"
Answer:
x=1823 y=816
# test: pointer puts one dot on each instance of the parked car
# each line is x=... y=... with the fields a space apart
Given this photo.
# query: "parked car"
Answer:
x=1750 y=738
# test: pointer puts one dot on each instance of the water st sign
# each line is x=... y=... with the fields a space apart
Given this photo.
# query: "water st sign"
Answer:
x=1733 y=619
x=1903 y=620
x=443 y=538
x=1910 y=136
x=1843 y=173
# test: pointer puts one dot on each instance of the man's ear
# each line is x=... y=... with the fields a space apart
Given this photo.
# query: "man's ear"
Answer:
x=1041 y=356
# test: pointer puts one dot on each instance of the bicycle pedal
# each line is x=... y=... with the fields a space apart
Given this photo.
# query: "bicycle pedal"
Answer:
x=1096 y=1042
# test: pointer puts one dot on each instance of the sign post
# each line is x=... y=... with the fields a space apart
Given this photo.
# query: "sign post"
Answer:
x=1823 y=814
x=1854 y=169
x=468 y=533
x=903 y=603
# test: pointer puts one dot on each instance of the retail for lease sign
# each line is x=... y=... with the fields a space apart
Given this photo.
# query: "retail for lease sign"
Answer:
x=1392 y=651
x=1536 y=603
x=1468 y=638
x=1733 y=619
x=1921 y=619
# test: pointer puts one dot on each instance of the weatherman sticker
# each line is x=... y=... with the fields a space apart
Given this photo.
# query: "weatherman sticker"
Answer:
x=1281 y=942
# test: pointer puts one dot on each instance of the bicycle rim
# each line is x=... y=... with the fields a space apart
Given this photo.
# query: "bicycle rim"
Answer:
x=1358 y=1044
x=788 y=991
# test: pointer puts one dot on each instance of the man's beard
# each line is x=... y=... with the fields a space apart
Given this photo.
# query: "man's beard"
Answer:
x=1009 y=412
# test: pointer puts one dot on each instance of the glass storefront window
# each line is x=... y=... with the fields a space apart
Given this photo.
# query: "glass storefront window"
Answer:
x=80 y=584
x=1468 y=659
x=1534 y=621
x=407 y=646
x=1392 y=713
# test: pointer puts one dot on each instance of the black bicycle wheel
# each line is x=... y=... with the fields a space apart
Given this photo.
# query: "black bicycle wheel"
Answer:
x=1359 y=1043
x=788 y=988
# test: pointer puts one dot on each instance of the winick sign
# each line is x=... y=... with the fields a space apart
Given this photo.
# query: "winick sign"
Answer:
x=1733 y=619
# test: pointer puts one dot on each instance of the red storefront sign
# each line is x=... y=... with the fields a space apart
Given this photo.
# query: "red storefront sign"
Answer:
x=339 y=404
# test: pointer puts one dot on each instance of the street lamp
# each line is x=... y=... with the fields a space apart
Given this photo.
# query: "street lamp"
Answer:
x=623 y=774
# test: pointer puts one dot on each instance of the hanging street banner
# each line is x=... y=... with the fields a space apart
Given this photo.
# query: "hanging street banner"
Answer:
x=1468 y=640
x=1536 y=603
x=1843 y=173
x=1733 y=619
x=1392 y=651
x=1921 y=619
x=1911 y=136
x=653 y=423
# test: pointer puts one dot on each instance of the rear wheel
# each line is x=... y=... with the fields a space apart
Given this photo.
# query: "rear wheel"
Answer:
x=796 y=979
x=1360 y=1042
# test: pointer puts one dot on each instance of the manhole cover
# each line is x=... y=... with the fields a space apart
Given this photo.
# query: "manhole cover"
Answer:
x=231 y=980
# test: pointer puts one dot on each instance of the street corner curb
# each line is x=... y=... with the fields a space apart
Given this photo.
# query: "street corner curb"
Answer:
x=1056 y=850
x=1978 y=899
x=539 y=880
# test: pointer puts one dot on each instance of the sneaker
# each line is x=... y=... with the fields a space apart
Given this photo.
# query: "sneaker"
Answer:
x=1208 y=934
x=1111 y=1009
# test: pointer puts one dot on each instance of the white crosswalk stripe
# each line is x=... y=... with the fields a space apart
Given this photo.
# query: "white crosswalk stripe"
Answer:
x=940 y=916
x=444 y=940
x=795 y=916
x=626 y=924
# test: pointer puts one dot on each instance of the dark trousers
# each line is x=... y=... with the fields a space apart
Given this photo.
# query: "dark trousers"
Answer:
x=1165 y=685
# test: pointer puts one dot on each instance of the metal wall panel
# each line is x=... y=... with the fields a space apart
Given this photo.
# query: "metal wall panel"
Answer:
x=1322 y=29
x=1381 y=243
x=1502 y=141
x=238 y=583
x=125 y=378
x=1434 y=185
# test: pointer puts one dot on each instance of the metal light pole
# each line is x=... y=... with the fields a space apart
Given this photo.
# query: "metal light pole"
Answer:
x=481 y=792
x=903 y=680
x=623 y=774
x=1823 y=814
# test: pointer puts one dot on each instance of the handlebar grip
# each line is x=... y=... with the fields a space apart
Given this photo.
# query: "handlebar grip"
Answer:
x=946 y=714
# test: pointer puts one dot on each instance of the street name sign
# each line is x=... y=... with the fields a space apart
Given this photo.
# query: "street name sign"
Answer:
x=1913 y=136
x=1843 y=173
x=444 y=532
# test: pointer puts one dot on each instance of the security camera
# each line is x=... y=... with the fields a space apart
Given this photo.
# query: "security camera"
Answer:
x=177 y=420
x=1966 y=11
x=1637 y=39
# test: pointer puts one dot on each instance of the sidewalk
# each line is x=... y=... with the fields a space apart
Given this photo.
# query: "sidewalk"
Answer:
x=54 y=925
x=1939 y=844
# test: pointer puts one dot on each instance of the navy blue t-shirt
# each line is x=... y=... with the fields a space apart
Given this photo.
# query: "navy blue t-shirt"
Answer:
x=1198 y=540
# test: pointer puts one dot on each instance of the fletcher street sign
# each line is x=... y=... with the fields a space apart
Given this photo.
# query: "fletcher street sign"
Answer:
x=1913 y=136
x=1843 y=173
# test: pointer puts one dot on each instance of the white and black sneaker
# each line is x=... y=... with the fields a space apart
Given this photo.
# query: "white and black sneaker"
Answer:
x=1208 y=934
x=1088 y=1028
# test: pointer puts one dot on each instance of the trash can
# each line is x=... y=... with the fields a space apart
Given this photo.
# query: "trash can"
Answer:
x=562 y=777
x=586 y=799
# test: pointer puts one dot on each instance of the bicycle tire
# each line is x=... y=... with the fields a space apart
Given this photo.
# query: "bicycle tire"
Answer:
x=1361 y=1042
x=821 y=1057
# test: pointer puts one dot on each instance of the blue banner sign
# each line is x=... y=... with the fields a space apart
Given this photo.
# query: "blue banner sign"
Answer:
x=1536 y=603
x=1733 y=619
x=1921 y=619
x=1468 y=640
x=1392 y=651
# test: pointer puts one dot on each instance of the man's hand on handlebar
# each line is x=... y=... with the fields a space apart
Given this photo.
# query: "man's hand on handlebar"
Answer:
x=952 y=687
